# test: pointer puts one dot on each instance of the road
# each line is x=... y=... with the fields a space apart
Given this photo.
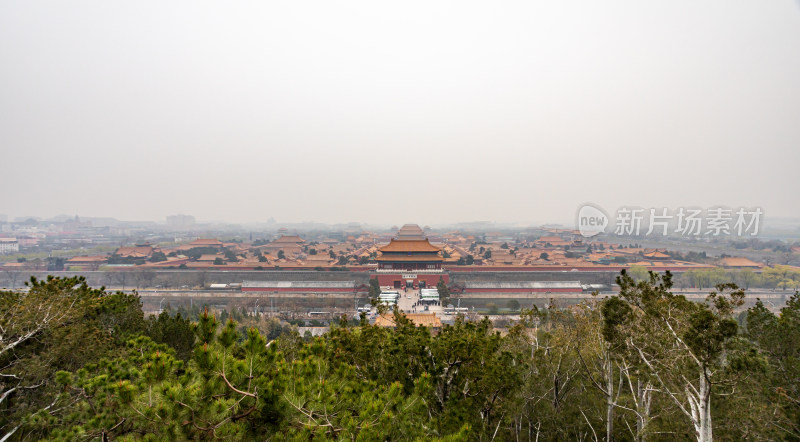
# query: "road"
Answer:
x=407 y=300
x=411 y=297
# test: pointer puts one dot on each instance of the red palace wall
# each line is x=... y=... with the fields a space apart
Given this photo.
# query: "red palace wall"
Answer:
x=598 y=268
x=299 y=289
x=430 y=279
x=502 y=290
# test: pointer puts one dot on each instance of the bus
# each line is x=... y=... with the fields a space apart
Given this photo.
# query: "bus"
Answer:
x=389 y=298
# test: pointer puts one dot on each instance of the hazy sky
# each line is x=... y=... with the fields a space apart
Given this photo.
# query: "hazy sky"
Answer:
x=393 y=112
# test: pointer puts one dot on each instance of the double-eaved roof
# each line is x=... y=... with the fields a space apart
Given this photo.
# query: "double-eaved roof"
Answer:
x=135 y=252
x=289 y=239
x=401 y=246
x=409 y=258
x=410 y=232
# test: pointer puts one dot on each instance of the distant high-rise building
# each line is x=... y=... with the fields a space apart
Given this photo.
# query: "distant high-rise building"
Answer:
x=180 y=221
x=8 y=245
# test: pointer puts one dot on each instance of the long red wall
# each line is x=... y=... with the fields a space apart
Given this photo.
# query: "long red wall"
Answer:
x=516 y=290
x=430 y=280
x=299 y=289
x=614 y=268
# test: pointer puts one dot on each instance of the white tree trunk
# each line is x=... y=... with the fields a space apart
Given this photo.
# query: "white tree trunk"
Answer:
x=700 y=403
x=642 y=408
x=705 y=434
x=609 y=400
